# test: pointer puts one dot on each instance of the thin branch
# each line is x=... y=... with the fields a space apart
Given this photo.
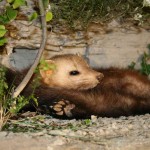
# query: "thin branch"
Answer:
x=26 y=79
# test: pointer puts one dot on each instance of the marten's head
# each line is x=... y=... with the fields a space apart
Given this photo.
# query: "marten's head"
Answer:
x=71 y=72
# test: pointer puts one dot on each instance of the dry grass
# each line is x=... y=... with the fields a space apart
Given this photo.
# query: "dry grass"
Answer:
x=75 y=12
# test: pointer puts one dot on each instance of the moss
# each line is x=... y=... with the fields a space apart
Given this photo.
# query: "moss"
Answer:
x=75 y=12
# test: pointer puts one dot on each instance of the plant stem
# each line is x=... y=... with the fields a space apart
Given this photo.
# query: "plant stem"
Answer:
x=26 y=79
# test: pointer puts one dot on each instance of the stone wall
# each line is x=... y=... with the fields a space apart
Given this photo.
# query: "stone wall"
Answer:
x=113 y=47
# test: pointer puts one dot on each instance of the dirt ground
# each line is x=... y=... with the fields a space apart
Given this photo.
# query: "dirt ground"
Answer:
x=124 y=133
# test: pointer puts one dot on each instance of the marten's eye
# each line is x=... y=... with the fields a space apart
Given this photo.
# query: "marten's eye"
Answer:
x=74 y=73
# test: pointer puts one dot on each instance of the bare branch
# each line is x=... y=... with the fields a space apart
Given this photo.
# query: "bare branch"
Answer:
x=25 y=81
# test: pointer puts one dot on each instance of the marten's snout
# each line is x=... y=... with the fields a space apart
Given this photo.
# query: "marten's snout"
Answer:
x=100 y=76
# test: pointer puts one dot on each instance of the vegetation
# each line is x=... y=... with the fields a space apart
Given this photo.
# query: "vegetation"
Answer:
x=9 y=106
x=145 y=63
x=10 y=100
x=40 y=122
x=9 y=14
x=82 y=12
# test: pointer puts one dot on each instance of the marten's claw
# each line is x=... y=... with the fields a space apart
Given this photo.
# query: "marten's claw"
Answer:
x=62 y=108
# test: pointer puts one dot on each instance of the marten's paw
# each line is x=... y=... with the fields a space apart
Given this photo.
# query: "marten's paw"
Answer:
x=62 y=108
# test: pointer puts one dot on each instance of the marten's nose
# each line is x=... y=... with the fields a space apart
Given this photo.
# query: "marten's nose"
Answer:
x=100 y=76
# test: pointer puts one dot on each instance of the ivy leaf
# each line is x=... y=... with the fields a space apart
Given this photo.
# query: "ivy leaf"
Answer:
x=10 y=1
x=3 y=41
x=33 y=16
x=2 y=27
x=49 y=16
x=18 y=3
x=2 y=30
x=1 y=18
x=4 y=19
x=11 y=13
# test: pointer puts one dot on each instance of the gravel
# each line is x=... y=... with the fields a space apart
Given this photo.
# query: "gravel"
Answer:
x=124 y=133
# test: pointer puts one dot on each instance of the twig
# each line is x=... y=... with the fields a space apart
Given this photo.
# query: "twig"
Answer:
x=26 y=79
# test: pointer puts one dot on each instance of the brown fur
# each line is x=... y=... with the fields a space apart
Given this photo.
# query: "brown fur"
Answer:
x=120 y=92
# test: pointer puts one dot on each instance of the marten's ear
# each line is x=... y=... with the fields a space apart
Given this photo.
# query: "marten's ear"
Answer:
x=46 y=68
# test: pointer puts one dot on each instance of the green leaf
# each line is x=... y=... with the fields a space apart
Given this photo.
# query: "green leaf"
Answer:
x=2 y=27
x=33 y=16
x=2 y=30
x=52 y=67
x=45 y=3
x=5 y=86
x=11 y=13
x=49 y=16
x=18 y=3
x=3 y=41
x=145 y=67
x=87 y=121
x=10 y=1
x=35 y=100
x=44 y=65
x=4 y=19
x=1 y=18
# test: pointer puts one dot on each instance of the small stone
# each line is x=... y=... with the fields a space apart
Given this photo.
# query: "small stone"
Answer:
x=93 y=118
x=3 y=134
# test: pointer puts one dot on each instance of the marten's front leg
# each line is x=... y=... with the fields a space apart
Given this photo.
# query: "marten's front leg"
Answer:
x=63 y=109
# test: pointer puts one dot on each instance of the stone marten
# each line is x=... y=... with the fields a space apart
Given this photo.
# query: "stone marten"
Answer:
x=74 y=90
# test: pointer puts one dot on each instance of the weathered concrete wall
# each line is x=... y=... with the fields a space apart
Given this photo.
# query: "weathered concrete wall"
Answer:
x=117 y=48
